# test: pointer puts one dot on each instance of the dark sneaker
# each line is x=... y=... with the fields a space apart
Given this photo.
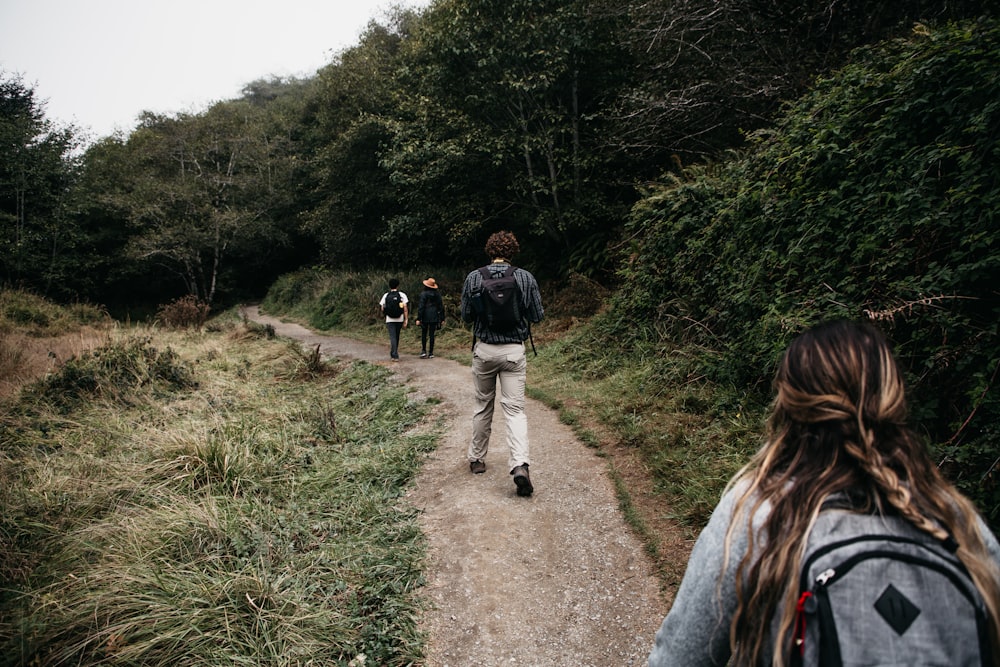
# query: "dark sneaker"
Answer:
x=477 y=467
x=522 y=481
x=423 y=355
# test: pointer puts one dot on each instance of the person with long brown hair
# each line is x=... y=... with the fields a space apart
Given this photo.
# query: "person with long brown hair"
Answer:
x=837 y=437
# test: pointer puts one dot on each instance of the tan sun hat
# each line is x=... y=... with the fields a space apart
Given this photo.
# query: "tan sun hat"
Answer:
x=430 y=282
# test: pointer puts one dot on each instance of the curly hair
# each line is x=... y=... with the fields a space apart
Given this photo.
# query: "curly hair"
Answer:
x=838 y=424
x=503 y=245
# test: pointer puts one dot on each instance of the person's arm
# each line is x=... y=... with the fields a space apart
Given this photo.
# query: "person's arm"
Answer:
x=992 y=546
x=695 y=632
x=468 y=312
x=533 y=300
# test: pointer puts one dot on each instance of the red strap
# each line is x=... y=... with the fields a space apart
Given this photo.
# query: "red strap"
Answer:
x=800 y=622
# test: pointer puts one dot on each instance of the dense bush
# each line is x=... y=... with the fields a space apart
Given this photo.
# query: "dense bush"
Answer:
x=876 y=197
x=113 y=372
x=183 y=313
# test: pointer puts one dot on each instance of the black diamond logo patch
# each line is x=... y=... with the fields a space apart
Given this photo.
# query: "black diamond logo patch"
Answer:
x=897 y=611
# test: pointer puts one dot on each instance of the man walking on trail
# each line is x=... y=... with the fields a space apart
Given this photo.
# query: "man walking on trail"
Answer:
x=395 y=307
x=501 y=301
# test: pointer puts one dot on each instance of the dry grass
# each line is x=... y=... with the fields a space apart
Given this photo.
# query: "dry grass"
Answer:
x=25 y=358
x=249 y=515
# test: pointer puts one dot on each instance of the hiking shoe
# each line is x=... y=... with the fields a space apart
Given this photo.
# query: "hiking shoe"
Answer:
x=423 y=355
x=430 y=356
x=477 y=467
x=522 y=481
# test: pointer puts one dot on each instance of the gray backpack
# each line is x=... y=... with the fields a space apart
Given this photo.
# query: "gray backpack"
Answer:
x=878 y=591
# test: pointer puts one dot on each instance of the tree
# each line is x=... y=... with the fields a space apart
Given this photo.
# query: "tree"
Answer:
x=37 y=168
x=708 y=71
x=199 y=188
x=501 y=125
x=347 y=193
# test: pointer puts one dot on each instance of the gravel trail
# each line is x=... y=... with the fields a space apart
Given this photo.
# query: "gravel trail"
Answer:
x=554 y=579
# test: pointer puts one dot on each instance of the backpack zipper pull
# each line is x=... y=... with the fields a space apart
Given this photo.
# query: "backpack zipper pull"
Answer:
x=801 y=609
x=825 y=576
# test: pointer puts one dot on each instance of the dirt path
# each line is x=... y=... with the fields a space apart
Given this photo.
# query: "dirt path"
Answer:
x=554 y=579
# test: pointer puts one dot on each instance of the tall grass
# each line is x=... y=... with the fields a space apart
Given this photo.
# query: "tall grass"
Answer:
x=37 y=335
x=30 y=314
x=217 y=505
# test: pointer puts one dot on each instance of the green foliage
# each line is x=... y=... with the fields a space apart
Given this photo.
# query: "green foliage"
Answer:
x=347 y=193
x=500 y=125
x=437 y=128
x=876 y=196
x=705 y=73
x=199 y=190
x=38 y=236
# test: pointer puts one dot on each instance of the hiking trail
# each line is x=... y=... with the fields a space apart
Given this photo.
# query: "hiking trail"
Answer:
x=554 y=579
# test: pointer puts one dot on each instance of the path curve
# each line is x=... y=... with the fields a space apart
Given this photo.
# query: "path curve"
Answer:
x=551 y=580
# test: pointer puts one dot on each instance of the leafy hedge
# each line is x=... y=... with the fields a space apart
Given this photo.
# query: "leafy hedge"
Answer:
x=877 y=196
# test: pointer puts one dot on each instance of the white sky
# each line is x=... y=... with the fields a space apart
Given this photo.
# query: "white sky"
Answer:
x=99 y=63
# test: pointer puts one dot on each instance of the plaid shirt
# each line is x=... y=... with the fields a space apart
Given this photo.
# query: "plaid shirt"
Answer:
x=531 y=305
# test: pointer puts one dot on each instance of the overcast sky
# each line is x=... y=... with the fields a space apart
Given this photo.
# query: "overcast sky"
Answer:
x=99 y=63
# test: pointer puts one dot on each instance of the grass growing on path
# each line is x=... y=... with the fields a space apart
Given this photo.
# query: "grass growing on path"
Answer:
x=206 y=498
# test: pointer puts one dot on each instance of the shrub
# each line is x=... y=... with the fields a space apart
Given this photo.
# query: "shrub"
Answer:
x=183 y=313
x=115 y=372
x=875 y=197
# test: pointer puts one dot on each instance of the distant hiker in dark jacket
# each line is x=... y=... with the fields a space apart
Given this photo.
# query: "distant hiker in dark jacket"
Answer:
x=430 y=316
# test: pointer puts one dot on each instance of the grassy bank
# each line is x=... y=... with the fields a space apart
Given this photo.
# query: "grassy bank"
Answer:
x=208 y=498
x=36 y=335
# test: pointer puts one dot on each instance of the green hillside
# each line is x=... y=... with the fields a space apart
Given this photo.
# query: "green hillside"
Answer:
x=876 y=196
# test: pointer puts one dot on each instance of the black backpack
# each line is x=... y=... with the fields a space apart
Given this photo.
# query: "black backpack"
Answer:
x=393 y=304
x=498 y=304
x=875 y=590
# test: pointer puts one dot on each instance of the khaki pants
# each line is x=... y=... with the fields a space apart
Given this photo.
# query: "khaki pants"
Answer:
x=508 y=364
